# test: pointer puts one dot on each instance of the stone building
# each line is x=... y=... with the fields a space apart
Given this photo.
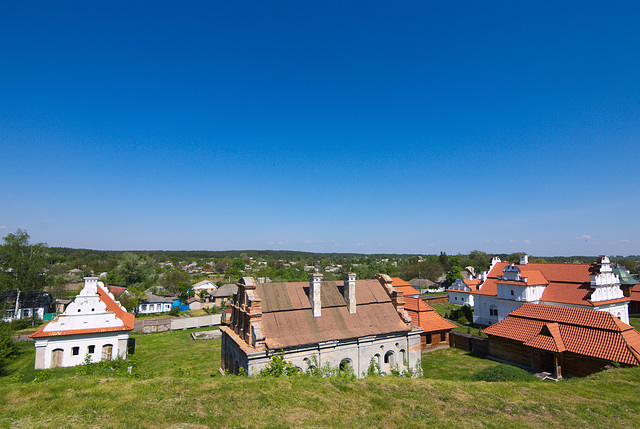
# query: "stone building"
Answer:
x=318 y=323
x=93 y=325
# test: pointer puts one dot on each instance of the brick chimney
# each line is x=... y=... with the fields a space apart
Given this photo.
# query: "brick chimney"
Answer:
x=315 y=280
x=350 y=291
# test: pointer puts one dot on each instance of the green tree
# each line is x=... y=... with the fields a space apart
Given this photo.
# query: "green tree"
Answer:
x=452 y=275
x=22 y=264
x=135 y=270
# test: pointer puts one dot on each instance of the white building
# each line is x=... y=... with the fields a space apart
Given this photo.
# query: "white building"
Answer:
x=508 y=285
x=93 y=325
x=461 y=291
x=155 y=304
x=320 y=322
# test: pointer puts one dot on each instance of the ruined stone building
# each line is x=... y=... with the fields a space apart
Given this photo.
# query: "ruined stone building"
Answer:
x=343 y=324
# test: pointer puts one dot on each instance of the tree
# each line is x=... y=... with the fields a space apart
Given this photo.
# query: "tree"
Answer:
x=22 y=264
x=452 y=275
x=7 y=346
x=134 y=270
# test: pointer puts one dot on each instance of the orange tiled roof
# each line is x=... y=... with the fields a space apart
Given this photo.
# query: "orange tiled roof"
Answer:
x=424 y=316
x=635 y=293
x=403 y=286
x=566 y=283
x=582 y=331
x=472 y=284
x=127 y=318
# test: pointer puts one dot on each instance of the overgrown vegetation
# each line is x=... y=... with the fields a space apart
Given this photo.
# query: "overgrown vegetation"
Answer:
x=178 y=385
x=503 y=372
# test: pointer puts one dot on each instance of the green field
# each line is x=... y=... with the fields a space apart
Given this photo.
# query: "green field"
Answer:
x=177 y=385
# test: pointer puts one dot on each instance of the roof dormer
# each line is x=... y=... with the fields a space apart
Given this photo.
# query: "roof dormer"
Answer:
x=511 y=273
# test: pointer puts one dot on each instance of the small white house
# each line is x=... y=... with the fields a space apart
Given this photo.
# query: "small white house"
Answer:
x=155 y=304
x=93 y=325
x=461 y=291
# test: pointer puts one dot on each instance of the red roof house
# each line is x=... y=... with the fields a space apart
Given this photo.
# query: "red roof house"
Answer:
x=561 y=340
x=94 y=325
x=435 y=328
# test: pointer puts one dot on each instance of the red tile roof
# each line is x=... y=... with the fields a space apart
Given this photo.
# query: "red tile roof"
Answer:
x=403 y=286
x=426 y=317
x=582 y=331
x=565 y=283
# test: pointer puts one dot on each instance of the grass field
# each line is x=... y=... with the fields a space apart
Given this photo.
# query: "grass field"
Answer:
x=178 y=386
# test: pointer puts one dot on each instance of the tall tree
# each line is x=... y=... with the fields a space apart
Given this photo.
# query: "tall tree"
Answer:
x=22 y=265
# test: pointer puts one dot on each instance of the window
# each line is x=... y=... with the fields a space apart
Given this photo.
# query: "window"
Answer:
x=511 y=292
x=443 y=337
x=92 y=349
x=428 y=339
x=75 y=351
x=493 y=312
x=390 y=358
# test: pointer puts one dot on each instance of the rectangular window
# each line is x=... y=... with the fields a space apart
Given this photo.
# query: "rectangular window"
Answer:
x=75 y=351
x=443 y=337
x=429 y=340
x=92 y=349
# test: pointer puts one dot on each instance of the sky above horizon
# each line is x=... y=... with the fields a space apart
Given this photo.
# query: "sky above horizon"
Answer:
x=367 y=127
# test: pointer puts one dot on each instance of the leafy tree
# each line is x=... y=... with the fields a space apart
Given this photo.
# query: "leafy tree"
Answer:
x=452 y=275
x=22 y=264
x=134 y=270
x=171 y=280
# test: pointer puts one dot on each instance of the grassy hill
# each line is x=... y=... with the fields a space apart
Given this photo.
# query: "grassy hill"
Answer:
x=176 y=384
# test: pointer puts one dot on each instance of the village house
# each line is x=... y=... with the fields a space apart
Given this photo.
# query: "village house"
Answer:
x=155 y=304
x=224 y=294
x=26 y=304
x=507 y=286
x=462 y=290
x=563 y=341
x=93 y=325
x=343 y=324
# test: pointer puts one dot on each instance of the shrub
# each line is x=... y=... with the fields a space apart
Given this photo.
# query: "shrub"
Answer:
x=278 y=367
x=174 y=311
x=503 y=372
x=7 y=347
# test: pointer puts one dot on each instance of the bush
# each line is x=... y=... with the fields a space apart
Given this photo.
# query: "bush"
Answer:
x=174 y=311
x=503 y=372
x=7 y=347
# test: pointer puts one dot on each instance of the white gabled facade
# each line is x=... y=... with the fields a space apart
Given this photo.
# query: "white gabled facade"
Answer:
x=502 y=293
x=94 y=325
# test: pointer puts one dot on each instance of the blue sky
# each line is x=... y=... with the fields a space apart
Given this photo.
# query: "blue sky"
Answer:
x=370 y=127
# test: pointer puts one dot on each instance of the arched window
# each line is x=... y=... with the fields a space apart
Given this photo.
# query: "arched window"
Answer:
x=345 y=364
x=389 y=358
x=376 y=359
x=403 y=357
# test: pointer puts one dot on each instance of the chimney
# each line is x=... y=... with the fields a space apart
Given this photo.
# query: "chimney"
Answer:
x=314 y=293
x=524 y=259
x=350 y=291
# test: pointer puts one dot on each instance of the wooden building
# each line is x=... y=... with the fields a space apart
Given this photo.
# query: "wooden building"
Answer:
x=563 y=341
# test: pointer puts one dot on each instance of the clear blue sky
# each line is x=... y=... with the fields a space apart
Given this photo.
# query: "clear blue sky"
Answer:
x=370 y=127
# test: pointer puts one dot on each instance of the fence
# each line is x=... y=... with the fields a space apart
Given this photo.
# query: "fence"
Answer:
x=468 y=342
x=147 y=326
x=436 y=299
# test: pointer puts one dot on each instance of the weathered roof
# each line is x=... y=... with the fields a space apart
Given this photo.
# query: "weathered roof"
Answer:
x=26 y=299
x=582 y=331
x=225 y=291
x=151 y=298
x=288 y=320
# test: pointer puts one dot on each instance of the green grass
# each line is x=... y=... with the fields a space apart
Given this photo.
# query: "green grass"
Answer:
x=634 y=320
x=179 y=388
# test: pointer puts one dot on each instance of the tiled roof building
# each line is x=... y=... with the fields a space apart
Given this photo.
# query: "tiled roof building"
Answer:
x=507 y=286
x=563 y=340
x=319 y=322
x=435 y=328
x=94 y=324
